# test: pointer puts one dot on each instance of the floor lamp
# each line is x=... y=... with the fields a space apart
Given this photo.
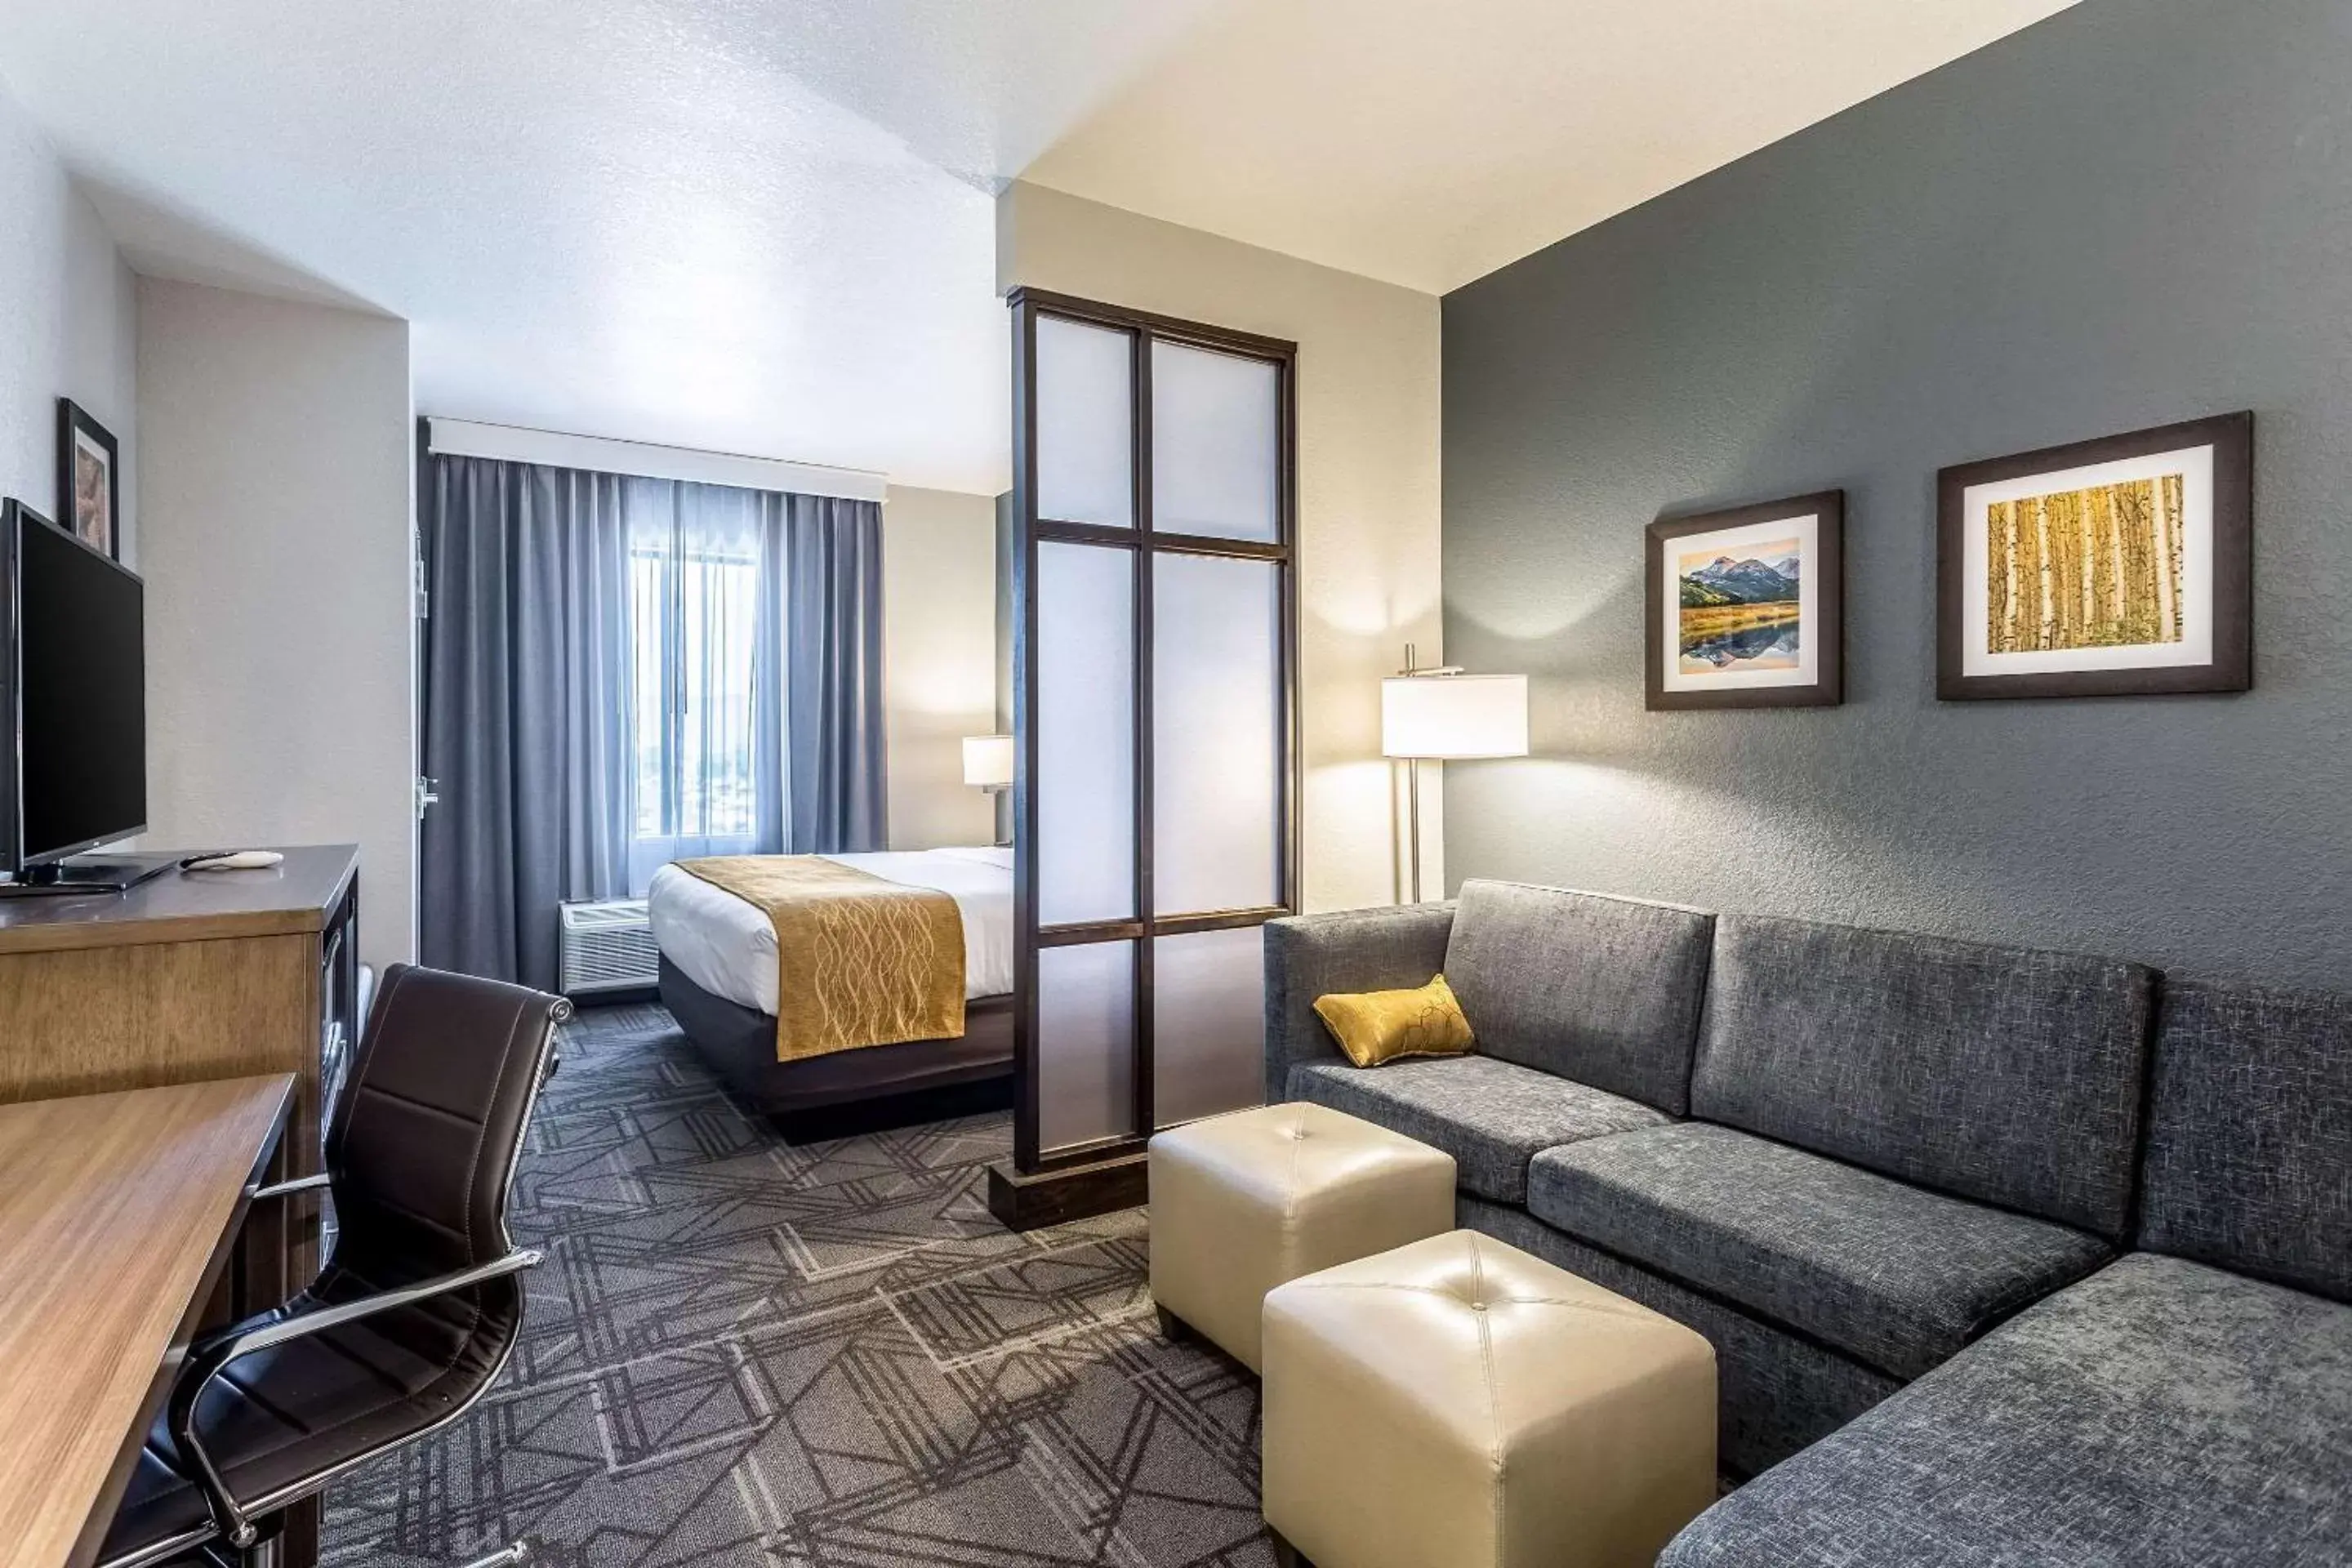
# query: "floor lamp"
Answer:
x=1442 y=715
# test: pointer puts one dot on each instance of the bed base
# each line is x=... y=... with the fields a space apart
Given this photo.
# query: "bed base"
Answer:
x=847 y=1092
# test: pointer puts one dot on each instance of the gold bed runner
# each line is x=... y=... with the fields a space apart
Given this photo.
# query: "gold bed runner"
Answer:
x=860 y=960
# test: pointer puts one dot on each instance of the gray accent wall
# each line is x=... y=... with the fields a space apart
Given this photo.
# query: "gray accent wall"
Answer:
x=2137 y=212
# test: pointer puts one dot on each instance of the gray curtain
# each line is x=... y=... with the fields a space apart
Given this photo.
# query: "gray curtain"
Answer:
x=833 y=629
x=528 y=710
x=557 y=598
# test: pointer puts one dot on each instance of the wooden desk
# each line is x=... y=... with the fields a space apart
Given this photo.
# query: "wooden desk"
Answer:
x=203 y=974
x=118 y=1213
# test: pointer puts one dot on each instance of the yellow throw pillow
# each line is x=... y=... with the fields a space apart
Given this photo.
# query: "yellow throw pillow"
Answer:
x=1378 y=1026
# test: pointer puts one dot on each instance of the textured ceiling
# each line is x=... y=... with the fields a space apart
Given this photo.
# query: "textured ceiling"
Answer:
x=766 y=226
x=1429 y=143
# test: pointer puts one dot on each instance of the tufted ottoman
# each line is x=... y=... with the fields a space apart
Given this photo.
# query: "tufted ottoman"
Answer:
x=1457 y=1404
x=1242 y=1203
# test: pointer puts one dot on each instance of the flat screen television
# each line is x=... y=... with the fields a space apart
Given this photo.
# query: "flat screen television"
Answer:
x=77 y=676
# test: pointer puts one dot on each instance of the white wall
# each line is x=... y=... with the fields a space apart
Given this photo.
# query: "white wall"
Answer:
x=275 y=474
x=68 y=310
x=939 y=593
x=1368 y=483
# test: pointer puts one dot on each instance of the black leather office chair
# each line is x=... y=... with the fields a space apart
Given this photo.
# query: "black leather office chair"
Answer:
x=417 y=1308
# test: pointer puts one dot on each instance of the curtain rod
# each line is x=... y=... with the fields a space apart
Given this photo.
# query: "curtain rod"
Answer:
x=514 y=444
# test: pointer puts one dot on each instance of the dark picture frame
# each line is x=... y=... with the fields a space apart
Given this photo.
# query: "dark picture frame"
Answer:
x=2176 y=558
x=87 y=454
x=1819 y=616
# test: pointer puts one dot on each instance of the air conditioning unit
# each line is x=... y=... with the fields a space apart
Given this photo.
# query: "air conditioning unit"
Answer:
x=607 y=946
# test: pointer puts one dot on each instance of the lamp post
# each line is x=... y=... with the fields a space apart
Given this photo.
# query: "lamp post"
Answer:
x=1442 y=714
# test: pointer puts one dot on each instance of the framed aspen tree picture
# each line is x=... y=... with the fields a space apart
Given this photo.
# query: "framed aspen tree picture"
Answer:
x=2112 y=568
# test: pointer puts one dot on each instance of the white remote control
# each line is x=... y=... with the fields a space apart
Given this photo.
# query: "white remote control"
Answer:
x=241 y=860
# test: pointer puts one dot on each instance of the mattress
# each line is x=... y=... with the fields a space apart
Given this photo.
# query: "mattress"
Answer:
x=728 y=946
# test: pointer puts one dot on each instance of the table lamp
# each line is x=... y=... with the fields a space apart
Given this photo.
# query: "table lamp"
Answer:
x=988 y=765
x=988 y=762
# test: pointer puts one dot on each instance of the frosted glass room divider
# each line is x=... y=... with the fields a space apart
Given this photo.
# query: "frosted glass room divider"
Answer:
x=1156 y=723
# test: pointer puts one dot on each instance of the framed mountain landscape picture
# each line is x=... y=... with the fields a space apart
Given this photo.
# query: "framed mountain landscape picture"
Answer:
x=1746 y=606
x=2121 y=567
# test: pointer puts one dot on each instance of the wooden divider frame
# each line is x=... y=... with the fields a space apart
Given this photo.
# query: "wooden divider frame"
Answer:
x=1106 y=1170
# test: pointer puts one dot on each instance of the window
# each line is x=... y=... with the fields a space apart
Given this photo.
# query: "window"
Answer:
x=694 y=614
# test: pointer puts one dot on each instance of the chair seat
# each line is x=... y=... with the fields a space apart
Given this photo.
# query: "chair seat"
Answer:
x=2161 y=1414
x=1491 y=1116
x=283 y=1417
x=1897 y=1277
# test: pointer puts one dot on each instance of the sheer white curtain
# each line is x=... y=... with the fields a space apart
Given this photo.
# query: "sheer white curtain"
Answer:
x=706 y=609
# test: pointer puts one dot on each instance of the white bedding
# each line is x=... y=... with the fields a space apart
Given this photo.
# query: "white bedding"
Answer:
x=728 y=946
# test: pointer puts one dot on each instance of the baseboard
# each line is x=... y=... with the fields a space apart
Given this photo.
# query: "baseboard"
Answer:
x=618 y=997
x=1076 y=1192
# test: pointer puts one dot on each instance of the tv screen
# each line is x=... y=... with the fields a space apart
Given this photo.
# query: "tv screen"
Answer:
x=82 y=692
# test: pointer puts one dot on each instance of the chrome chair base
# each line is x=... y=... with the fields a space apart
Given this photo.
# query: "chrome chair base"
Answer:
x=514 y=1556
x=264 y=1553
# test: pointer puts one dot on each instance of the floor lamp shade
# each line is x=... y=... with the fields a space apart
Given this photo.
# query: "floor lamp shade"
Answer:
x=1439 y=717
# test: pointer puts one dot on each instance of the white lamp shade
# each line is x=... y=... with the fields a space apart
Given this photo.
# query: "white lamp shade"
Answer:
x=1455 y=717
x=988 y=762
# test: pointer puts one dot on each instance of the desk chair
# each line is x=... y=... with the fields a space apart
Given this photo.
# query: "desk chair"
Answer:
x=416 y=1310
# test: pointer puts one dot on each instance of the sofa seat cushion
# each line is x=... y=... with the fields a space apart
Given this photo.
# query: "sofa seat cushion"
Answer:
x=2160 y=1412
x=1899 y=1277
x=1490 y=1116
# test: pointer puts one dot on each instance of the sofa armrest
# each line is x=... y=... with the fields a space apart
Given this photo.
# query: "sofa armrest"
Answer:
x=1309 y=956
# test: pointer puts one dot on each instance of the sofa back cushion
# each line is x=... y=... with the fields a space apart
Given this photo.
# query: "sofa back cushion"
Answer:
x=1994 y=1073
x=2250 y=1134
x=1605 y=991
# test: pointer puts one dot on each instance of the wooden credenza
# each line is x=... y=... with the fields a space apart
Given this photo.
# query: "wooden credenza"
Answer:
x=216 y=974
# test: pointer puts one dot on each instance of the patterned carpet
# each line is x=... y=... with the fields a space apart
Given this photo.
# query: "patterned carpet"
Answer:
x=740 y=1352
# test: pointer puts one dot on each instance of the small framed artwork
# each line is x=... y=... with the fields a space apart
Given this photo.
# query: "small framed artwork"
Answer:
x=88 y=487
x=2113 y=568
x=1746 y=606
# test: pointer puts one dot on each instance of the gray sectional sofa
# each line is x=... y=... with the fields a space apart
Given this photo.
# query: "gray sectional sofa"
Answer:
x=2008 y=1256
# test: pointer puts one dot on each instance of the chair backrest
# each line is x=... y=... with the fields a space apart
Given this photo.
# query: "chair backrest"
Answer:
x=1602 y=990
x=2002 y=1074
x=2249 y=1133
x=423 y=1147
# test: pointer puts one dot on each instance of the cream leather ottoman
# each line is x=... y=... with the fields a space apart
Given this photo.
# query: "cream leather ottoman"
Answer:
x=1242 y=1203
x=1457 y=1404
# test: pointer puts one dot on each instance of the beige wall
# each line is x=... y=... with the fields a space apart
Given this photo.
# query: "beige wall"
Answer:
x=275 y=473
x=1368 y=482
x=68 y=310
x=938 y=592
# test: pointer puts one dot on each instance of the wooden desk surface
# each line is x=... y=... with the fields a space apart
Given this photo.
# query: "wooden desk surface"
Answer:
x=294 y=897
x=117 y=1212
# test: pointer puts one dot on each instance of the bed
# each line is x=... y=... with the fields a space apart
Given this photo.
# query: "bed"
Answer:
x=719 y=979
